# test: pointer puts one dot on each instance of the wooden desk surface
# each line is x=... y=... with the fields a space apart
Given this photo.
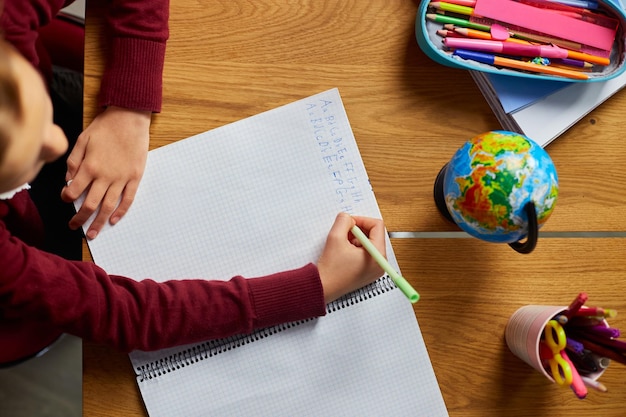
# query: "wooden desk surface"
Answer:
x=230 y=59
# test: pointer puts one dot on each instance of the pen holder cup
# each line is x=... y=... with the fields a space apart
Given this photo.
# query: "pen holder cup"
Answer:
x=604 y=67
x=523 y=334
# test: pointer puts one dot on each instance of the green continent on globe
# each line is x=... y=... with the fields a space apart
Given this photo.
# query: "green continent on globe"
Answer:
x=485 y=192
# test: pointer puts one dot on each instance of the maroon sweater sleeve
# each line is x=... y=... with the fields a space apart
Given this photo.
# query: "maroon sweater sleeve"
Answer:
x=137 y=32
x=81 y=299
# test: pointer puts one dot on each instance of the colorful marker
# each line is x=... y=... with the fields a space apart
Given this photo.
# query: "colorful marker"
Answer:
x=445 y=33
x=453 y=7
x=596 y=312
x=443 y=19
x=617 y=345
x=479 y=34
x=583 y=4
x=534 y=37
x=450 y=7
x=575 y=63
x=604 y=351
x=578 y=385
x=602 y=331
x=574 y=345
x=582 y=56
x=576 y=304
x=585 y=362
x=456 y=21
x=603 y=363
x=507 y=48
x=592 y=383
x=467 y=3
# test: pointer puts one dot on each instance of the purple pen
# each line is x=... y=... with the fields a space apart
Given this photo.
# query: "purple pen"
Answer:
x=581 y=335
x=601 y=330
x=571 y=62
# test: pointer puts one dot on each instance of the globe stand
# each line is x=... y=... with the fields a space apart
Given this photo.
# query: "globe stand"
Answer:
x=526 y=246
x=533 y=231
x=440 y=200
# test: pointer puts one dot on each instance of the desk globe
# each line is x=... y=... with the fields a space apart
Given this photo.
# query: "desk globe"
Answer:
x=500 y=187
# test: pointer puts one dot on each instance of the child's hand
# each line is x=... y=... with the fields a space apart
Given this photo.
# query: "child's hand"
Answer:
x=344 y=265
x=107 y=163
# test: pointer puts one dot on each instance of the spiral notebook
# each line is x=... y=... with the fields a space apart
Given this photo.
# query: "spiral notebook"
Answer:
x=255 y=197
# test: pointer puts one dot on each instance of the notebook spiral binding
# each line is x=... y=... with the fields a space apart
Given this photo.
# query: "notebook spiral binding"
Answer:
x=212 y=348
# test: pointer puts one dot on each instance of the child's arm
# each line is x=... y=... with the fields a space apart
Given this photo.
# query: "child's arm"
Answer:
x=109 y=158
x=82 y=299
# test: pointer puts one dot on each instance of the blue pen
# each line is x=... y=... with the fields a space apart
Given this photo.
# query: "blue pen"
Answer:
x=483 y=57
x=574 y=345
x=583 y=4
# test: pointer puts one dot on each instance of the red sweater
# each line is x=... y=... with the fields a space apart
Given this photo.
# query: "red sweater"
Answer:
x=42 y=296
x=137 y=30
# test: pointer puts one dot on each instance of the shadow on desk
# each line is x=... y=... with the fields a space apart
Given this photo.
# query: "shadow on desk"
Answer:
x=47 y=386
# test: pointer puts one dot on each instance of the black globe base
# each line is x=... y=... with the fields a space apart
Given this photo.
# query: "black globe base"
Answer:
x=440 y=199
x=533 y=231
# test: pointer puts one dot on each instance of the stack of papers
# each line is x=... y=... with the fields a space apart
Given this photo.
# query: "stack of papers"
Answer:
x=540 y=109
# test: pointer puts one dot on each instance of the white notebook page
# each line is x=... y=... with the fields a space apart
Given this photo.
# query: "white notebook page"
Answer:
x=252 y=198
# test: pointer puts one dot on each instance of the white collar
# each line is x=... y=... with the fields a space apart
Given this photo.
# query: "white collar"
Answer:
x=9 y=194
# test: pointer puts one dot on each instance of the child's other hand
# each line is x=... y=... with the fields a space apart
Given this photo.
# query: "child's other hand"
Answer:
x=107 y=163
x=345 y=265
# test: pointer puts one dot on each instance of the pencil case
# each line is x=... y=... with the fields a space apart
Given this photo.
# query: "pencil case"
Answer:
x=432 y=42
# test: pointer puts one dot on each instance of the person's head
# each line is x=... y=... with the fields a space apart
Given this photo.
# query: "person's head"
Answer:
x=28 y=136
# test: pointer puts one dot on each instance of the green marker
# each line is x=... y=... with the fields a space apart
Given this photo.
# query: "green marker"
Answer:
x=398 y=279
x=456 y=21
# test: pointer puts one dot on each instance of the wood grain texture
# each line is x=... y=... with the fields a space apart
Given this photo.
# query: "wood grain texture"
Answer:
x=463 y=311
x=227 y=60
x=466 y=304
x=230 y=59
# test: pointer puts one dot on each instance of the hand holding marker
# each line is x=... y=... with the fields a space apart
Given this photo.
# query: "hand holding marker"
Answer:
x=398 y=279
